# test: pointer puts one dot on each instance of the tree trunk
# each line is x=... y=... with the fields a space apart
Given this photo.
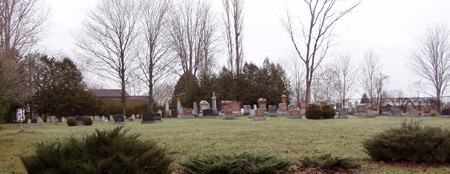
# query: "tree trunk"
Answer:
x=124 y=100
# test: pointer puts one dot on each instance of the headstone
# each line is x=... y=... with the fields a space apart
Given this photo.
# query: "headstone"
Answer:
x=426 y=109
x=151 y=118
x=350 y=108
x=342 y=114
x=302 y=105
x=39 y=120
x=295 y=114
x=103 y=118
x=195 y=111
x=338 y=106
x=49 y=119
x=179 y=110
x=132 y=117
x=208 y=114
x=262 y=104
x=291 y=107
x=259 y=115
x=255 y=107
x=414 y=113
x=247 y=109
x=111 y=118
x=63 y=120
x=445 y=113
x=360 y=111
x=283 y=97
x=223 y=105
x=54 y=120
x=187 y=113
x=79 y=119
x=374 y=107
x=367 y=106
x=119 y=119
x=97 y=118
x=203 y=105
x=228 y=114
x=273 y=111
x=396 y=113
x=236 y=106
x=252 y=113
x=167 y=109
x=214 y=103
x=370 y=114
x=282 y=109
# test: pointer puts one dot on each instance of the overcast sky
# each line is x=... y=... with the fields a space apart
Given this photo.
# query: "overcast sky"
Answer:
x=391 y=28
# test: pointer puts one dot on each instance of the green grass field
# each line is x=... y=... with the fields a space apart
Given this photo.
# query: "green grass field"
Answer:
x=183 y=137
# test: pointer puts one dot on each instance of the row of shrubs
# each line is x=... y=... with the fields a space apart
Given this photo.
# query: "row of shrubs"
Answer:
x=87 y=121
x=117 y=151
x=320 y=112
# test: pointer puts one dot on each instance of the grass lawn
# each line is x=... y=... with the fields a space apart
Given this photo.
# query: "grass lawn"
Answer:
x=183 y=137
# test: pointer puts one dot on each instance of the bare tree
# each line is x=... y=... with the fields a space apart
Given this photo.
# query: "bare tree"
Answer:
x=234 y=26
x=431 y=60
x=22 y=22
x=345 y=78
x=109 y=40
x=157 y=60
x=381 y=81
x=192 y=33
x=313 y=40
x=295 y=71
x=370 y=71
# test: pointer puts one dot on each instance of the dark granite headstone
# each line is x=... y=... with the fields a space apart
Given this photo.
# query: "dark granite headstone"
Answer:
x=445 y=112
x=119 y=119
x=79 y=119
x=208 y=113
x=273 y=111
x=151 y=118
x=338 y=106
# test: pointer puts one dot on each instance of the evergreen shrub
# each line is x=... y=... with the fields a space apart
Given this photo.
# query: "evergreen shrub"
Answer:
x=411 y=143
x=87 y=121
x=71 y=121
x=328 y=111
x=313 y=112
x=105 y=151
x=327 y=162
x=231 y=163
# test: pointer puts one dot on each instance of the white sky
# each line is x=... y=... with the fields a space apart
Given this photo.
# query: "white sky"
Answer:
x=391 y=28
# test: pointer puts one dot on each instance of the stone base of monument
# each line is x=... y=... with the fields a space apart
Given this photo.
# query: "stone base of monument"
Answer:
x=187 y=117
x=266 y=113
x=220 y=114
x=283 y=113
x=342 y=117
x=273 y=114
x=119 y=123
x=387 y=114
x=426 y=115
x=445 y=116
x=208 y=117
x=259 y=118
x=237 y=113
x=228 y=117
x=250 y=116
x=294 y=117
x=148 y=122
x=360 y=114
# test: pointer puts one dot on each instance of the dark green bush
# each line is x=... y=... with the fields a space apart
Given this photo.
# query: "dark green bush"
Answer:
x=328 y=111
x=87 y=121
x=71 y=121
x=313 y=112
x=411 y=142
x=327 y=162
x=112 y=151
x=246 y=162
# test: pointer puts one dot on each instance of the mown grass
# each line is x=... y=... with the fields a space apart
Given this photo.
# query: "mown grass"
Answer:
x=281 y=136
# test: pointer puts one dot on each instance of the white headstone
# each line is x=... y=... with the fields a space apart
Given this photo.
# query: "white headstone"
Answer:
x=63 y=120
x=214 y=103
x=39 y=120
x=195 y=111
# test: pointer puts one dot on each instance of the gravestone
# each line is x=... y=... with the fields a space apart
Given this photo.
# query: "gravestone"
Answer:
x=408 y=108
x=247 y=109
x=79 y=120
x=195 y=111
x=167 y=109
x=338 y=106
x=445 y=113
x=203 y=105
x=350 y=108
x=223 y=105
x=262 y=104
x=294 y=114
x=367 y=106
x=111 y=118
x=119 y=119
x=370 y=114
x=179 y=110
x=214 y=103
x=273 y=111
x=49 y=119
x=151 y=118
x=426 y=109
x=342 y=114
x=360 y=111
x=396 y=113
x=414 y=113
x=208 y=114
x=302 y=105
x=228 y=114
x=131 y=118
x=236 y=106
x=97 y=118
x=252 y=113
x=291 y=107
x=103 y=118
x=282 y=109
x=259 y=115
x=39 y=120
x=187 y=113
x=63 y=120
x=54 y=120
x=283 y=97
